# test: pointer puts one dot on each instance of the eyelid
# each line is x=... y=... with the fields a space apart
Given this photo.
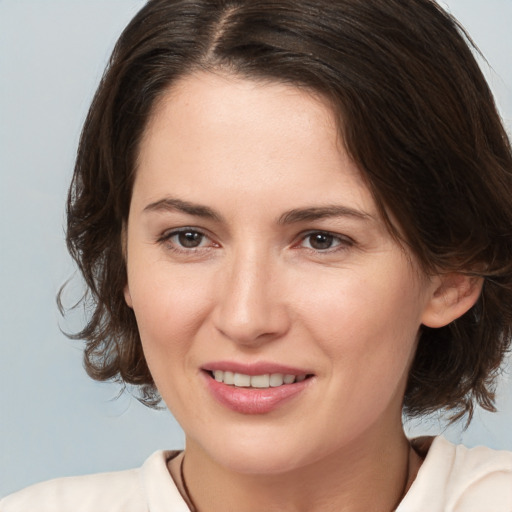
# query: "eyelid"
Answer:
x=166 y=236
x=344 y=240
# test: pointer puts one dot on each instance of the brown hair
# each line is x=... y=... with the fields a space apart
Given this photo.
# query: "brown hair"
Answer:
x=416 y=115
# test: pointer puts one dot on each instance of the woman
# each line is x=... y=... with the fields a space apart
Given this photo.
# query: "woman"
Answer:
x=293 y=219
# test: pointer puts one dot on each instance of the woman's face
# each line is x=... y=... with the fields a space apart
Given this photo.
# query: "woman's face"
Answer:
x=254 y=248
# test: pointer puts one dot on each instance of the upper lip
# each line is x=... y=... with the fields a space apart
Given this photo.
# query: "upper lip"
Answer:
x=257 y=368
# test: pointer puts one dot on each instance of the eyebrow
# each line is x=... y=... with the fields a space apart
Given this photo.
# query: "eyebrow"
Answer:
x=172 y=204
x=322 y=212
x=290 y=217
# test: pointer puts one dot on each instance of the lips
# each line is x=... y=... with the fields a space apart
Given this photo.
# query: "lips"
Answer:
x=266 y=380
x=254 y=389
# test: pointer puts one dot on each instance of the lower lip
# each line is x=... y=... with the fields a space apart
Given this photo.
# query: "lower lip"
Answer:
x=254 y=400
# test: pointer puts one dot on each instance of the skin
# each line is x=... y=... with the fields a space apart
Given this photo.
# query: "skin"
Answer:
x=258 y=288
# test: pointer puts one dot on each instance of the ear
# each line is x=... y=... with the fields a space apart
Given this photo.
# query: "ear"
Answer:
x=124 y=242
x=127 y=296
x=454 y=294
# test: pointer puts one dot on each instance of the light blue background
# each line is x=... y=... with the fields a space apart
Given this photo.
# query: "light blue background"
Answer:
x=54 y=420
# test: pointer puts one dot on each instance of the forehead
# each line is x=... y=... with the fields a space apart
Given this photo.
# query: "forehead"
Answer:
x=253 y=136
x=220 y=102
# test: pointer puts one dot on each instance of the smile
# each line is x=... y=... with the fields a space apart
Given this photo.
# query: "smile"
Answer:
x=267 y=380
x=255 y=389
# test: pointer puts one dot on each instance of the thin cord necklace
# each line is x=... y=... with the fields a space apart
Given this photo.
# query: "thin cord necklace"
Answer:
x=193 y=507
x=407 y=476
x=191 y=503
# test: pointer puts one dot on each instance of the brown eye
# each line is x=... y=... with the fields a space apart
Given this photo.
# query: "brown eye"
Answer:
x=189 y=239
x=321 y=241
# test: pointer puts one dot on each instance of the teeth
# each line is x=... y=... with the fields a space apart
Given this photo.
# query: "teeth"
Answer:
x=260 y=381
x=241 y=380
x=289 y=379
x=276 y=379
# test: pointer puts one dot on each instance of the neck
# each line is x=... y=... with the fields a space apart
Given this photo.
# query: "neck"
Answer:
x=367 y=476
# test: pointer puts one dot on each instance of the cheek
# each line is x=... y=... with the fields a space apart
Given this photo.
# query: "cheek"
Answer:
x=366 y=323
x=169 y=306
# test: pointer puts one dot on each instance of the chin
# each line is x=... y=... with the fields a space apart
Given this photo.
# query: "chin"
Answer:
x=259 y=462
x=260 y=455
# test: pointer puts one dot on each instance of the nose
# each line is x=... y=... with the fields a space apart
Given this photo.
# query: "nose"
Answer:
x=249 y=309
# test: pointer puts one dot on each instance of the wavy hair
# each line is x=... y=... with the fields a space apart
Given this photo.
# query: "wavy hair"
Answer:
x=415 y=114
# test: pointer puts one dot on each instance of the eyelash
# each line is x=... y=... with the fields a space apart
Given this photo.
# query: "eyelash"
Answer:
x=167 y=237
x=341 y=242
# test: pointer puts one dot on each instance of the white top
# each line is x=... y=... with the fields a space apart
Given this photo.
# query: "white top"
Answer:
x=451 y=479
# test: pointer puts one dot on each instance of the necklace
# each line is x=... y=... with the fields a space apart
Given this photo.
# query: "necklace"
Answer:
x=190 y=501
x=193 y=507
x=407 y=477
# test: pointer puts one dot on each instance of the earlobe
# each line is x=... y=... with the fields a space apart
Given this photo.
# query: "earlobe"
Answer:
x=124 y=241
x=454 y=295
x=128 y=297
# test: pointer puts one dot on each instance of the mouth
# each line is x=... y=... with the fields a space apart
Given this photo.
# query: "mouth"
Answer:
x=255 y=388
x=262 y=381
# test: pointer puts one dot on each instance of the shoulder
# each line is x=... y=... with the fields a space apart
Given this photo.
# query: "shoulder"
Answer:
x=480 y=475
x=454 y=478
x=115 y=491
x=121 y=491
